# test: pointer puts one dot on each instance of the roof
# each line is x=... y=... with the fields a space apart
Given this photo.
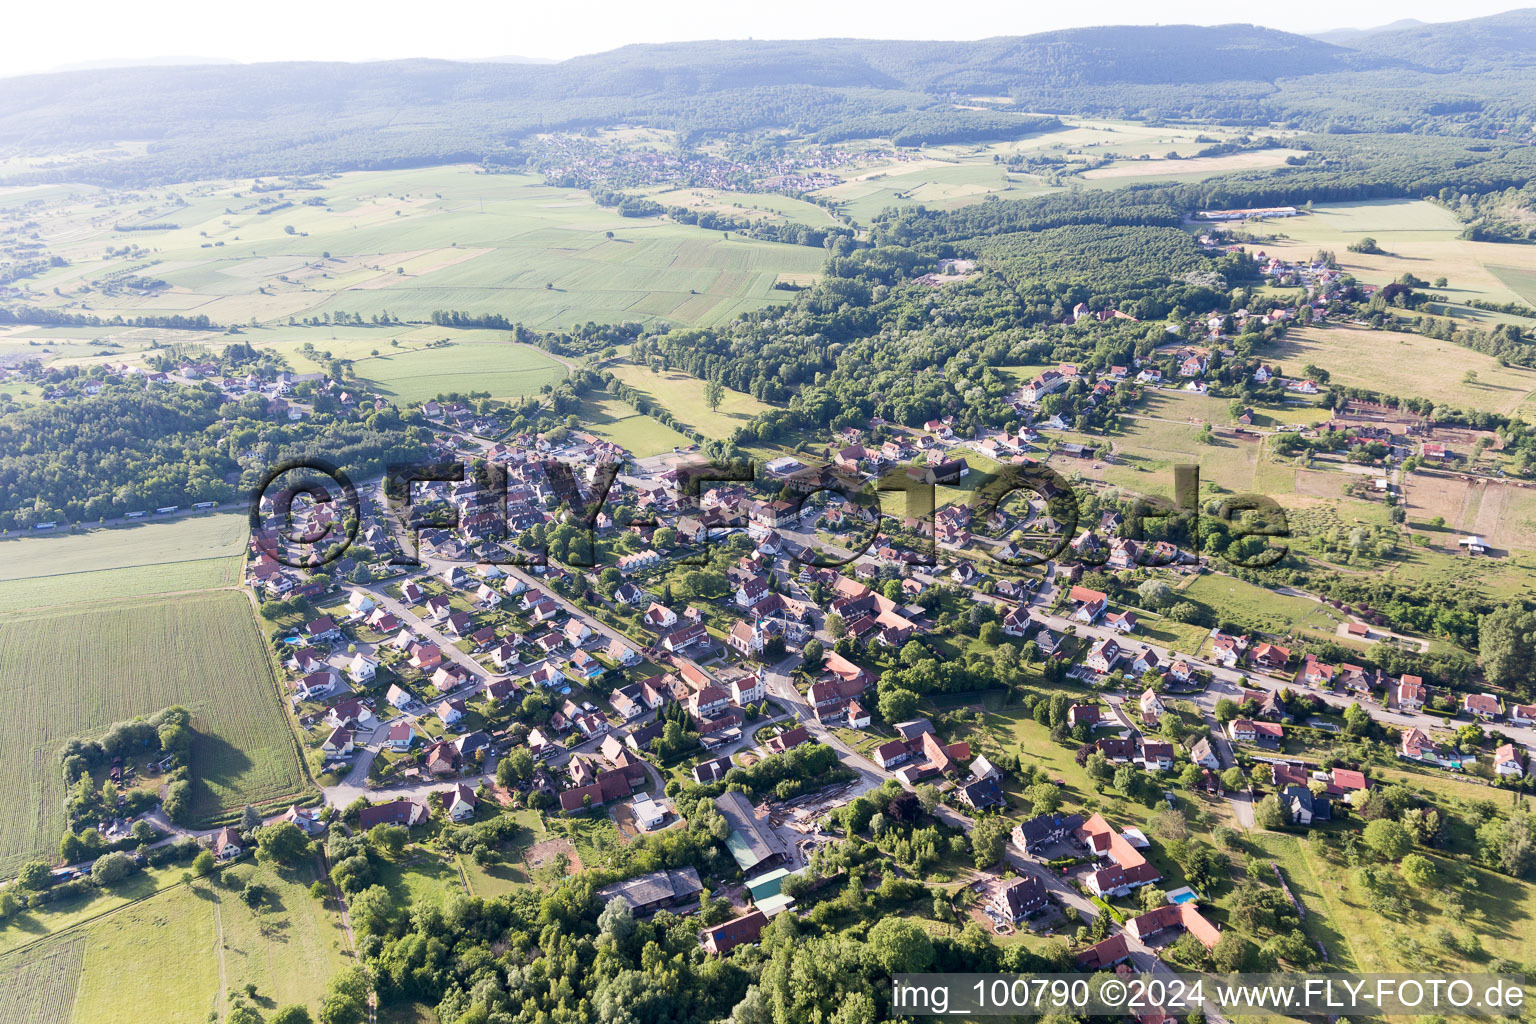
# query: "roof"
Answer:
x=1104 y=954
x=752 y=840
x=657 y=887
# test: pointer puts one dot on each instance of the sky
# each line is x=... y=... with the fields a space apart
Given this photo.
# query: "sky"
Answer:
x=44 y=37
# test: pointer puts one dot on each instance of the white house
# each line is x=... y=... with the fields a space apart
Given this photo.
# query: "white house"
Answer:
x=362 y=669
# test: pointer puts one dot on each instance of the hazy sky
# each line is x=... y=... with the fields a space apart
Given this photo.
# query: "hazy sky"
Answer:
x=43 y=37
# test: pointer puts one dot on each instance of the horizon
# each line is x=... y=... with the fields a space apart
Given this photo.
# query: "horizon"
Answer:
x=108 y=37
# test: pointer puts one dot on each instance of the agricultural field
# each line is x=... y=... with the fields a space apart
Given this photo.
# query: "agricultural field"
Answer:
x=1416 y=237
x=754 y=206
x=504 y=369
x=409 y=243
x=148 y=543
x=38 y=986
x=683 y=397
x=67 y=673
x=1408 y=365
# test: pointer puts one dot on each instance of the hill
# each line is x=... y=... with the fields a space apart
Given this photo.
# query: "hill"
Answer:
x=1500 y=40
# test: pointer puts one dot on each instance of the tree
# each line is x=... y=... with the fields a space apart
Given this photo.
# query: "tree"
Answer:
x=1233 y=778
x=1388 y=838
x=927 y=796
x=714 y=393
x=346 y=998
x=1418 y=870
x=250 y=819
x=515 y=767
x=1506 y=641
x=900 y=946
x=1232 y=953
x=1155 y=594
x=1098 y=767
x=34 y=876
x=988 y=839
x=897 y=705
x=295 y=1014
x=204 y=864
x=111 y=868
x=284 y=843
x=1043 y=797
x=390 y=839
x=1268 y=814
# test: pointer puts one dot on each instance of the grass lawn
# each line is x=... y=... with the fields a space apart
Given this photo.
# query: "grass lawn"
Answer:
x=420 y=875
x=504 y=369
x=683 y=396
x=157 y=960
x=491 y=880
x=641 y=435
x=1232 y=598
x=74 y=673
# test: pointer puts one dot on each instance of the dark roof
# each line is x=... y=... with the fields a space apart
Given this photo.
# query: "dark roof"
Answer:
x=752 y=840
x=654 y=889
x=1041 y=828
x=712 y=770
x=1023 y=895
x=983 y=793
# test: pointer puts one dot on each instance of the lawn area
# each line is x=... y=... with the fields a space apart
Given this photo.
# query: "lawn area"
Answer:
x=157 y=960
x=683 y=397
x=1320 y=900
x=415 y=241
x=420 y=876
x=503 y=368
x=73 y=673
x=64 y=915
x=1405 y=365
x=1230 y=598
x=617 y=420
x=491 y=880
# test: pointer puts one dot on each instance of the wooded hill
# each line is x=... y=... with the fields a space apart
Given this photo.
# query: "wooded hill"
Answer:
x=1461 y=78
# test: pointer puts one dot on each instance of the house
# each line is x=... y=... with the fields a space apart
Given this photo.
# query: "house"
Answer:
x=317 y=684
x=1509 y=761
x=682 y=639
x=1522 y=714
x=1271 y=656
x=350 y=713
x=1121 y=622
x=359 y=603
x=227 y=844
x=1104 y=656
x=339 y=743
x=576 y=632
x=1105 y=954
x=738 y=931
x=399 y=697
x=460 y=802
x=547 y=675
x=1416 y=745
x=1152 y=706
x=1082 y=714
x=1265 y=734
x=1157 y=755
x=622 y=653
x=403 y=811
x=1017 y=899
x=361 y=669
x=1302 y=807
x=1045 y=830
x=306 y=818
x=425 y=656
x=400 y=737
x=1484 y=706
x=1176 y=917
x=712 y=770
x=1412 y=694
x=1088 y=605
x=628 y=593
x=449 y=712
x=1202 y=754
x=323 y=628
x=858 y=717
x=747 y=690
x=653 y=891
x=788 y=740
x=889 y=755
x=1126 y=868
x=980 y=794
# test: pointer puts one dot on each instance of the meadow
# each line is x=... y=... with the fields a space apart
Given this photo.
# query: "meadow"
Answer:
x=117 y=547
x=1406 y=365
x=1259 y=608
x=67 y=673
x=683 y=396
x=617 y=420
x=38 y=986
x=410 y=242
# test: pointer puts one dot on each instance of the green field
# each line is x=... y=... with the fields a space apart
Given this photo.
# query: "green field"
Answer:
x=1406 y=365
x=683 y=396
x=38 y=986
x=74 y=673
x=1520 y=280
x=618 y=421
x=504 y=369
x=1231 y=598
x=172 y=957
x=149 y=543
x=411 y=242
x=113 y=584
